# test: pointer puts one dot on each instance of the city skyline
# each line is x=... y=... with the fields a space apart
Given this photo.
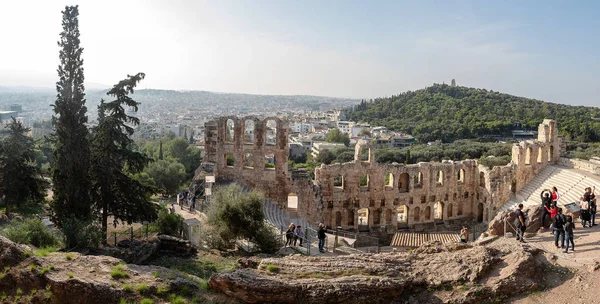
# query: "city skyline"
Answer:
x=347 y=49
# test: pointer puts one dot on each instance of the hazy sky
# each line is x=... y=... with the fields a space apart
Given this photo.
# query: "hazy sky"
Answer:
x=364 y=49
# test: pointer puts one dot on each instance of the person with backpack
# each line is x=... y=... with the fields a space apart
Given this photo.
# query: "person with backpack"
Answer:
x=569 y=227
x=520 y=222
x=559 y=228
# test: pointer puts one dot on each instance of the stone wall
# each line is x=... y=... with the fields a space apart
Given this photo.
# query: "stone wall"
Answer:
x=592 y=165
x=362 y=194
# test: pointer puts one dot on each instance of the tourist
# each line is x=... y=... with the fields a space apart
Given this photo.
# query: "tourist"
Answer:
x=464 y=234
x=546 y=203
x=585 y=212
x=321 y=236
x=590 y=197
x=559 y=228
x=172 y=208
x=520 y=223
x=298 y=235
x=553 y=210
x=569 y=227
x=289 y=235
x=555 y=196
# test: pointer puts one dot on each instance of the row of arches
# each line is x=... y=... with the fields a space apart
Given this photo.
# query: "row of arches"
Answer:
x=403 y=180
x=540 y=155
x=249 y=160
x=249 y=131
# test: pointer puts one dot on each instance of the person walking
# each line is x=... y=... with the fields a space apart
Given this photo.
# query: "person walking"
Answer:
x=520 y=223
x=569 y=227
x=464 y=234
x=289 y=235
x=298 y=235
x=321 y=235
x=559 y=229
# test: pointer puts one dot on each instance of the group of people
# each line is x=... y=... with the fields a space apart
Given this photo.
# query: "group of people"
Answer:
x=185 y=198
x=294 y=234
x=562 y=226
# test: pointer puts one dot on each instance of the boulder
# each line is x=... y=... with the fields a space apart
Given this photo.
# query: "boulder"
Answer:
x=175 y=245
x=533 y=214
x=11 y=253
x=136 y=252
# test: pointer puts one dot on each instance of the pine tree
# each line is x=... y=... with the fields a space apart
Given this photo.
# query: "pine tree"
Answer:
x=114 y=162
x=192 y=138
x=160 y=152
x=72 y=155
x=20 y=178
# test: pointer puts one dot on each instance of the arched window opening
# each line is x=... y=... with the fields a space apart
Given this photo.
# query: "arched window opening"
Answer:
x=540 y=155
x=440 y=178
x=402 y=214
x=229 y=160
x=481 y=179
x=459 y=212
x=461 y=175
x=248 y=161
x=292 y=201
x=271 y=132
x=389 y=181
x=528 y=156
x=363 y=217
x=364 y=182
x=418 y=180
x=338 y=181
x=350 y=218
x=427 y=213
x=438 y=210
x=230 y=130
x=403 y=182
x=388 y=216
x=338 y=219
x=449 y=211
x=249 y=131
x=417 y=214
x=550 y=153
x=270 y=161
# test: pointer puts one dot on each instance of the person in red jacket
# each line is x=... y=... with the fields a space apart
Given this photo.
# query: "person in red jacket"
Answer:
x=553 y=211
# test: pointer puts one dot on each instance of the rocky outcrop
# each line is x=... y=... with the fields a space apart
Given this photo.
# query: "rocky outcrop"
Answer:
x=505 y=268
x=533 y=214
x=74 y=278
x=175 y=245
x=136 y=252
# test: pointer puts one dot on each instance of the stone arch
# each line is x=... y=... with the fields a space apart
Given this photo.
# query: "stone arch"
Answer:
x=459 y=212
x=230 y=130
x=388 y=216
x=449 y=211
x=481 y=179
x=363 y=217
x=389 y=181
x=338 y=181
x=440 y=178
x=292 y=202
x=249 y=131
x=417 y=214
x=248 y=160
x=403 y=182
x=528 y=156
x=418 y=180
x=461 y=175
x=540 y=155
x=362 y=145
x=480 y=212
x=350 y=218
x=427 y=213
x=402 y=214
x=438 y=210
x=338 y=219
x=376 y=217
x=270 y=130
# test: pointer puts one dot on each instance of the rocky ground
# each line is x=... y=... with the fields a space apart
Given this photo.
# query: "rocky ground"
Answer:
x=27 y=276
x=433 y=273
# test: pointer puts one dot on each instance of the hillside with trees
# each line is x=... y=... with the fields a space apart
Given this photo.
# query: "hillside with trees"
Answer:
x=445 y=112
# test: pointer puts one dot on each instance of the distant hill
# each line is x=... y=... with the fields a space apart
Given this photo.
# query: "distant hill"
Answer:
x=443 y=112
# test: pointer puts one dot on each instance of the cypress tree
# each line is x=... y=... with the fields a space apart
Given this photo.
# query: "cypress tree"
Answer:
x=114 y=189
x=70 y=172
x=160 y=152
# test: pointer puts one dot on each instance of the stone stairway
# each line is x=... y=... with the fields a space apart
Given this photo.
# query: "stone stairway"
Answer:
x=281 y=218
x=570 y=183
x=416 y=239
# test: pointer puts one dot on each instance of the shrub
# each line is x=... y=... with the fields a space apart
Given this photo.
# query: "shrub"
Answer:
x=141 y=288
x=69 y=256
x=80 y=234
x=32 y=231
x=45 y=251
x=168 y=223
x=146 y=301
x=127 y=288
x=272 y=268
x=174 y=299
x=118 y=272
x=267 y=240
x=162 y=290
x=70 y=275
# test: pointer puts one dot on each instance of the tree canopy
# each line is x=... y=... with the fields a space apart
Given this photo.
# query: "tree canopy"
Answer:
x=336 y=136
x=447 y=113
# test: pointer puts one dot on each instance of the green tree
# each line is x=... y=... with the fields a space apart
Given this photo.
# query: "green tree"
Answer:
x=326 y=157
x=160 y=151
x=235 y=214
x=20 y=177
x=71 y=155
x=113 y=161
x=188 y=155
x=337 y=136
x=167 y=174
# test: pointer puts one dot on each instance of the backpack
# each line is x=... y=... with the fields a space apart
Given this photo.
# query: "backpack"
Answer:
x=559 y=221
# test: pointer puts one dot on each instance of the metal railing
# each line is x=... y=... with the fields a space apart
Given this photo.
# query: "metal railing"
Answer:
x=129 y=234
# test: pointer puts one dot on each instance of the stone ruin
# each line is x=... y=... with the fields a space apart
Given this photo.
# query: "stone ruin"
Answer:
x=363 y=195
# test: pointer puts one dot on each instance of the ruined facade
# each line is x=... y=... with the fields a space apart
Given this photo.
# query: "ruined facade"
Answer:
x=363 y=194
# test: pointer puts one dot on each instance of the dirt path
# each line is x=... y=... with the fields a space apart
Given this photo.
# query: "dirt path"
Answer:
x=581 y=284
